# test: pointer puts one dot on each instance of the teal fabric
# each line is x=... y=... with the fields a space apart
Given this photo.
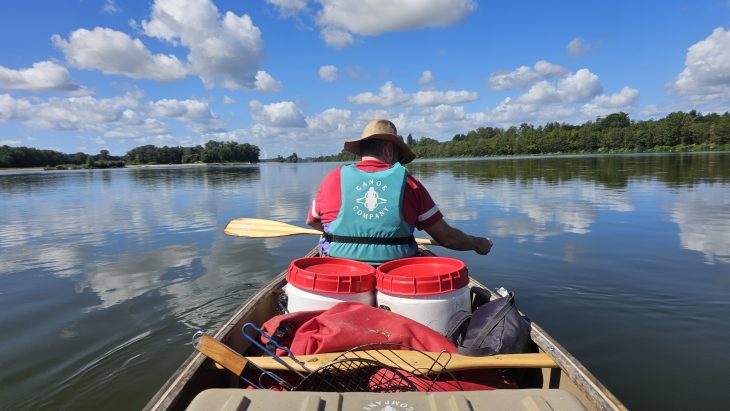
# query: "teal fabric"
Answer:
x=372 y=207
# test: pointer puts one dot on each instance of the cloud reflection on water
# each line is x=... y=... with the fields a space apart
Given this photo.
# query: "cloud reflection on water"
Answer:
x=534 y=208
x=703 y=217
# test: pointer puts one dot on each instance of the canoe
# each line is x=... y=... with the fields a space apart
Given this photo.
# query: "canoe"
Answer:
x=566 y=379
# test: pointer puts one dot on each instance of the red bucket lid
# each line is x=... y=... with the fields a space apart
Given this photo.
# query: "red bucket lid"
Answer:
x=422 y=276
x=331 y=275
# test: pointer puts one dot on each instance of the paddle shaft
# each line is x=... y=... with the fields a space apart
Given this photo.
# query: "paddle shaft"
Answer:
x=260 y=228
x=406 y=360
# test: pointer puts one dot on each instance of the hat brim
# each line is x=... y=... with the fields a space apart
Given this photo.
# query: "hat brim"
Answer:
x=353 y=146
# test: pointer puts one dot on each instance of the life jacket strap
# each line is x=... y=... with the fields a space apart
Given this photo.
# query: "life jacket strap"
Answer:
x=331 y=238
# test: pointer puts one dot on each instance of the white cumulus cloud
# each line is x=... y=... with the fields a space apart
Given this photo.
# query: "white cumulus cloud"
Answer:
x=75 y=113
x=110 y=7
x=426 y=77
x=225 y=51
x=434 y=97
x=706 y=73
x=289 y=7
x=523 y=76
x=340 y=20
x=579 y=86
x=577 y=48
x=195 y=113
x=331 y=120
x=390 y=95
x=193 y=110
x=281 y=114
x=625 y=97
x=11 y=108
x=337 y=38
x=42 y=76
x=328 y=73
x=266 y=83
x=374 y=17
x=124 y=116
x=139 y=128
x=114 y=52
x=548 y=69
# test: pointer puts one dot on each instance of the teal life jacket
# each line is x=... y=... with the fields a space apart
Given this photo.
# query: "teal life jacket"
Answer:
x=370 y=226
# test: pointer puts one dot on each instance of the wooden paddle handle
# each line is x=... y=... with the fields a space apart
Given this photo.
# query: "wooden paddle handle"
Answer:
x=405 y=360
x=415 y=361
x=222 y=354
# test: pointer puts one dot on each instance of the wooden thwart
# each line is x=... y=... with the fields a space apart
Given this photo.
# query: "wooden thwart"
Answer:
x=406 y=360
x=260 y=228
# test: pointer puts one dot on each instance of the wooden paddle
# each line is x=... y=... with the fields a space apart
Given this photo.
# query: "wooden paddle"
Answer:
x=260 y=228
x=405 y=360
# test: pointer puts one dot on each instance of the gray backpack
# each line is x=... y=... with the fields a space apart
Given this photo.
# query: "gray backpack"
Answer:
x=494 y=327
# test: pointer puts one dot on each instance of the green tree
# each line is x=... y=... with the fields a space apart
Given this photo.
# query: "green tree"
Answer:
x=720 y=133
x=293 y=158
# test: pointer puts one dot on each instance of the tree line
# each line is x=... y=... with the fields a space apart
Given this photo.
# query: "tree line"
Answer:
x=616 y=132
x=14 y=157
x=210 y=152
x=292 y=158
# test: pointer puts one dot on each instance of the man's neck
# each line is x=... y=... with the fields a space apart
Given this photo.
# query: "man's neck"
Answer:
x=373 y=158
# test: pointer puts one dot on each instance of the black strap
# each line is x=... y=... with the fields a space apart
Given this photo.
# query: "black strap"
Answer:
x=331 y=238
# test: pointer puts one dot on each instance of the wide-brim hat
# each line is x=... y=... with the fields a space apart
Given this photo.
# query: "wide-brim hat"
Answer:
x=382 y=130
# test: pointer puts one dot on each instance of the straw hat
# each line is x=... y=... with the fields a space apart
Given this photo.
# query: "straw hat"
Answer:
x=383 y=130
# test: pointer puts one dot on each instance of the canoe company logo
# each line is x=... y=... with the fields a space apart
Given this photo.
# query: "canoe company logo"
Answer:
x=369 y=205
x=389 y=405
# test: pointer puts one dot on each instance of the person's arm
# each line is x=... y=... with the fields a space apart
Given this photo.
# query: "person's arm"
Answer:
x=313 y=218
x=316 y=224
x=326 y=201
x=456 y=239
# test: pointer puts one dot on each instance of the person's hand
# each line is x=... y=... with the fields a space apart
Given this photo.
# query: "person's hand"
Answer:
x=482 y=245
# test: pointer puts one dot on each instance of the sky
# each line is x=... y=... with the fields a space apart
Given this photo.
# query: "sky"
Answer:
x=299 y=76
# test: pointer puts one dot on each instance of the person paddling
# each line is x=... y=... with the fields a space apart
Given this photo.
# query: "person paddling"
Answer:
x=369 y=210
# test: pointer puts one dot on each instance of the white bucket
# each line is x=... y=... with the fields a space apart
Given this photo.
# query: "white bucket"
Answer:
x=432 y=311
x=428 y=290
x=302 y=300
x=318 y=283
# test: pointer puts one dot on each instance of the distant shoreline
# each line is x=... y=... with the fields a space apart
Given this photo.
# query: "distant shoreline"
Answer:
x=10 y=170
x=424 y=159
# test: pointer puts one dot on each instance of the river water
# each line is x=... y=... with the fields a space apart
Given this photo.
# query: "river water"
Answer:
x=106 y=274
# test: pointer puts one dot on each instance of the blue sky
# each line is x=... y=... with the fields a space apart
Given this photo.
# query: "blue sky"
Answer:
x=303 y=76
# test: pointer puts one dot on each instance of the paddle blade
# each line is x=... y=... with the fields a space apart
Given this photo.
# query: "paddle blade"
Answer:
x=260 y=228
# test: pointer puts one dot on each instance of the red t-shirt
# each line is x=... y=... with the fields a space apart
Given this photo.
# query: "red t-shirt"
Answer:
x=419 y=210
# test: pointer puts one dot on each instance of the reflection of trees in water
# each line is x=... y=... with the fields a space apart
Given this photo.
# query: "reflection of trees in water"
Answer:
x=42 y=181
x=610 y=170
x=212 y=176
x=152 y=177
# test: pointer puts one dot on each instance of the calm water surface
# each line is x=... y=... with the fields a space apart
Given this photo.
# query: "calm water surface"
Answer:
x=105 y=275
